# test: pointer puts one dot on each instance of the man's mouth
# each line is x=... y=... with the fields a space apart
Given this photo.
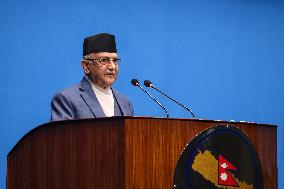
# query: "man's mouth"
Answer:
x=110 y=74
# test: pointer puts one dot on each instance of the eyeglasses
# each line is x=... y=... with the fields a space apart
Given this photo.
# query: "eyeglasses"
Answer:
x=105 y=60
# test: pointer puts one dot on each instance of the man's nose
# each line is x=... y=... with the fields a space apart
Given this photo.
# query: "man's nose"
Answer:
x=111 y=63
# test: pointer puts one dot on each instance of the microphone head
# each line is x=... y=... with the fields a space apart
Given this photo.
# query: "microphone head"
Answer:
x=148 y=83
x=135 y=82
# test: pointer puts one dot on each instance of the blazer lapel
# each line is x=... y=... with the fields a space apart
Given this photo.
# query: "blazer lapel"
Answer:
x=90 y=98
x=119 y=102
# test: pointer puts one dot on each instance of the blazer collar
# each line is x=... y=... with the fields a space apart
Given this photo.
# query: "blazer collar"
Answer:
x=90 y=98
x=119 y=101
x=92 y=102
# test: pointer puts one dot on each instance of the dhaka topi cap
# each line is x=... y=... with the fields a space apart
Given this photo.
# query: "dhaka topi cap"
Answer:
x=102 y=42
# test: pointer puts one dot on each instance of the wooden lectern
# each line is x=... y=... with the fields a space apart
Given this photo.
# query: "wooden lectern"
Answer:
x=119 y=152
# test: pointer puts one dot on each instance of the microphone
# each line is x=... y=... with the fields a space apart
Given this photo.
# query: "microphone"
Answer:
x=135 y=82
x=148 y=83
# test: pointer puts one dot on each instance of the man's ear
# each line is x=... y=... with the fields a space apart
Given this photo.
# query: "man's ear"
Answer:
x=85 y=66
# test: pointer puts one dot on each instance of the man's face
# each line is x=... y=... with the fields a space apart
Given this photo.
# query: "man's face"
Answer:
x=101 y=73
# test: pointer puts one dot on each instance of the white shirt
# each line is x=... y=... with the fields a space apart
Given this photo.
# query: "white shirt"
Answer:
x=105 y=98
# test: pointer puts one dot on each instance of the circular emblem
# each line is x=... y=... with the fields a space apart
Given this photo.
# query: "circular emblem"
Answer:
x=219 y=157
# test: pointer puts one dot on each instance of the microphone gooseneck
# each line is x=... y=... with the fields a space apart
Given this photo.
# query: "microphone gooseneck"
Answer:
x=135 y=82
x=148 y=83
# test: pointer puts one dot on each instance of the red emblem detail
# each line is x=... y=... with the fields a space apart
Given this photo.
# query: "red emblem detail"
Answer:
x=224 y=177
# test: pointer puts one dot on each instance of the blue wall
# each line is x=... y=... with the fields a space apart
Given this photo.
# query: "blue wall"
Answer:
x=224 y=59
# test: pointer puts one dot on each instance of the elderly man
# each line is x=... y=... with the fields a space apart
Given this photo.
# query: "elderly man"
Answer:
x=93 y=97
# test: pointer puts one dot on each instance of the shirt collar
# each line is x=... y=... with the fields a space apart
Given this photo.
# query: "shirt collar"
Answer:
x=105 y=91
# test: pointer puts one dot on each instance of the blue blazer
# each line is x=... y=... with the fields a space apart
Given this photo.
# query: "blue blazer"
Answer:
x=80 y=102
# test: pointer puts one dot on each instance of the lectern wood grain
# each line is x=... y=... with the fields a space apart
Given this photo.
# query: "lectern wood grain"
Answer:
x=119 y=152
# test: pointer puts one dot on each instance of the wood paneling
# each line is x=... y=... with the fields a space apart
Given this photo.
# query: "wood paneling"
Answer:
x=121 y=152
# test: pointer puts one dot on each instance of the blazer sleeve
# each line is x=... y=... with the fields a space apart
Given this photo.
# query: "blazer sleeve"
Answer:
x=61 y=108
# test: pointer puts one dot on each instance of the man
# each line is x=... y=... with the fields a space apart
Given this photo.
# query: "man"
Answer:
x=93 y=97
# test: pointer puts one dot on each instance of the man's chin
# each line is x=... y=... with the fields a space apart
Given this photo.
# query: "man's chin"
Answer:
x=110 y=81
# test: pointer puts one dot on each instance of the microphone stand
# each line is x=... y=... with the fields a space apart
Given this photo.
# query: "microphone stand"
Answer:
x=149 y=84
x=135 y=82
